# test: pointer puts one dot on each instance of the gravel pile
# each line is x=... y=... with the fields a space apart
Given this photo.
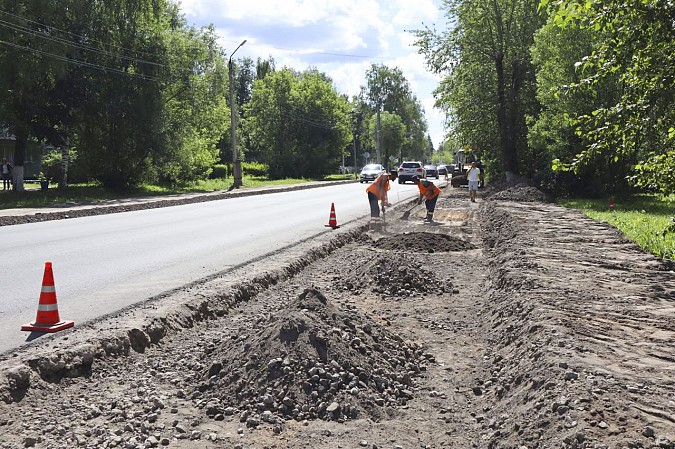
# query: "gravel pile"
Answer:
x=396 y=275
x=312 y=361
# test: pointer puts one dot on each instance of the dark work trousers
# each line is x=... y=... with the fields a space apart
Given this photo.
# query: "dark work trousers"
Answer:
x=431 y=204
x=374 y=206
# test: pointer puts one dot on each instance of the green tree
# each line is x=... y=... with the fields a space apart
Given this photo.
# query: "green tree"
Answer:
x=324 y=128
x=392 y=136
x=35 y=57
x=299 y=123
x=195 y=114
x=489 y=85
x=554 y=134
x=635 y=45
x=268 y=124
x=388 y=90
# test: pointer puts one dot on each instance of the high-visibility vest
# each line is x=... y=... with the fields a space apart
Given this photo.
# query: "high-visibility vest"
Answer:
x=429 y=192
x=379 y=187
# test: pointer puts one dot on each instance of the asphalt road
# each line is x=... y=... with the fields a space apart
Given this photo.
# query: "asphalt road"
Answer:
x=104 y=263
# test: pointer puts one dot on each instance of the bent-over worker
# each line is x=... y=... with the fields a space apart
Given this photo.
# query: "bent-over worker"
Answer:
x=429 y=193
x=377 y=192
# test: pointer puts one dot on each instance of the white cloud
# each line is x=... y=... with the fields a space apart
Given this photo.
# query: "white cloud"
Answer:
x=339 y=37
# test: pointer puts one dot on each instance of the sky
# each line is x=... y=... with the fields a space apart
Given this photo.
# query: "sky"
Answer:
x=341 y=38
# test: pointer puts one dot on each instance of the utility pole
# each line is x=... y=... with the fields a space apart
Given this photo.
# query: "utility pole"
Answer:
x=236 y=162
x=379 y=151
x=357 y=116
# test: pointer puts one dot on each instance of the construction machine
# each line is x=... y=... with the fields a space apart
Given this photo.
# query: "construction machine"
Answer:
x=462 y=163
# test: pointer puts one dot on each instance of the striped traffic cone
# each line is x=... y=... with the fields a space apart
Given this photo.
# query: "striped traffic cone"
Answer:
x=332 y=221
x=47 y=319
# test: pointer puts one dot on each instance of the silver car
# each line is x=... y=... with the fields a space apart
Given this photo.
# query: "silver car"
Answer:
x=370 y=172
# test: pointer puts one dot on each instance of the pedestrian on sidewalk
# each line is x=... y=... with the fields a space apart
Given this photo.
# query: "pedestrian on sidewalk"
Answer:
x=473 y=176
x=6 y=170
x=429 y=194
x=377 y=193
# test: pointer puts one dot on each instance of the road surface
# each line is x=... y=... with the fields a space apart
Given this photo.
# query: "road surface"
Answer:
x=104 y=263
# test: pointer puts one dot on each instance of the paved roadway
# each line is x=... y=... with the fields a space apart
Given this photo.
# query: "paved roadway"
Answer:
x=104 y=263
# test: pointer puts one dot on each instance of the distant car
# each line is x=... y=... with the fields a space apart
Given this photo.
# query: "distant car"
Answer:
x=370 y=172
x=432 y=171
x=443 y=170
x=409 y=170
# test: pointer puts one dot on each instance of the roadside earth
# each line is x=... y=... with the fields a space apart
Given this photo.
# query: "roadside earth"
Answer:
x=507 y=323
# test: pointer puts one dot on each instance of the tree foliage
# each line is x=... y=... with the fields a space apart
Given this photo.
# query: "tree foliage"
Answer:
x=298 y=122
x=388 y=90
x=142 y=96
x=126 y=82
x=555 y=132
x=489 y=86
x=392 y=136
x=635 y=49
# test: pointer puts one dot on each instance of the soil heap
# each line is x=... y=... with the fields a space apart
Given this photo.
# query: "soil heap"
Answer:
x=312 y=361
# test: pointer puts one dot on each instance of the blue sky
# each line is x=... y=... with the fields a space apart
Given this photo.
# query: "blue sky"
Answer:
x=339 y=37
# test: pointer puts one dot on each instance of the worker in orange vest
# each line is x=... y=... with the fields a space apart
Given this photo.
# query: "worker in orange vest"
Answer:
x=377 y=192
x=429 y=193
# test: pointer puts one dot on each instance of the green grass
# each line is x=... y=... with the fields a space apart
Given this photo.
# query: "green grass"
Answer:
x=645 y=219
x=33 y=197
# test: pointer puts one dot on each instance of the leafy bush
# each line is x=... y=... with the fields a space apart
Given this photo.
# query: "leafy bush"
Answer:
x=219 y=171
x=255 y=169
x=52 y=166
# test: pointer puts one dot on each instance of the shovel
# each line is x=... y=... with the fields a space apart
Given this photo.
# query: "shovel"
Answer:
x=406 y=214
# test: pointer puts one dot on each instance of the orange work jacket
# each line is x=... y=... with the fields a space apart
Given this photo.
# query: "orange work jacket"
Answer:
x=379 y=187
x=430 y=191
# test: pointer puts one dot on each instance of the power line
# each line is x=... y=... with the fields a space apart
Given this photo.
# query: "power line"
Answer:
x=80 y=63
x=299 y=115
x=59 y=40
x=51 y=28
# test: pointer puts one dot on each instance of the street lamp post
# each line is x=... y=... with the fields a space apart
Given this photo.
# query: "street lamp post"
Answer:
x=236 y=162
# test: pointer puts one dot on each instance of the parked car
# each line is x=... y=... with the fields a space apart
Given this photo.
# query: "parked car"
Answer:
x=443 y=170
x=432 y=171
x=370 y=172
x=409 y=170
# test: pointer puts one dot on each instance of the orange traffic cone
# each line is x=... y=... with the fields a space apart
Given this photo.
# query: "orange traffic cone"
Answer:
x=48 y=311
x=332 y=221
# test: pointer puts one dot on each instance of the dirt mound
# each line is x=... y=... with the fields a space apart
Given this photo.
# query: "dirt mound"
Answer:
x=423 y=242
x=520 y=193
x=312 y=361
x=399 y=275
